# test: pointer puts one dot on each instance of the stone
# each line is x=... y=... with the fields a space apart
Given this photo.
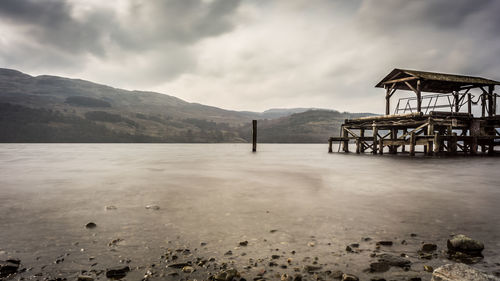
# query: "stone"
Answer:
x=312 y=268
x=464 y=257
x=379 y=267
x=429 y=247
x=179 y=265
x=465 y=244
x=187 y=269
x=384 y=243
x=153 y=207
x=348 y=249
x=117 y=272
x=275 y=257
x=354 y=245
x=337 y=274
x=225 y=275
x=460 y=272
x=111 y=207
x=85 y=278
x=9 y=267
x=394 y=260
x=244 y=243
x=349 y=277
x=90 y=225
x=428 y=268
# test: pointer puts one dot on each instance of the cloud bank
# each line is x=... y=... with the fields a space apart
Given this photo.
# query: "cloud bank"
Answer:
x=251 y=55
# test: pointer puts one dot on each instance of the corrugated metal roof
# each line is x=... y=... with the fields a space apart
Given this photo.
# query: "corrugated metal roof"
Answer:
x=440 y=82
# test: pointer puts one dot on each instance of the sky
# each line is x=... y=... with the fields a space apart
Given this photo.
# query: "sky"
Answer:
x=251 y=54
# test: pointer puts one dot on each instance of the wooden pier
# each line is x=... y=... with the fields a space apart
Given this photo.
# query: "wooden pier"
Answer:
x=413 y=126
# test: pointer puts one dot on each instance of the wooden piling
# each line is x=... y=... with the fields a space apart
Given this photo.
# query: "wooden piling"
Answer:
x=362 y=135
x=254 y=135
x=358 y=143
x=453 y=144
x=437 y=144
x=412 y=143
x=381 y=146
x=330 y=141
x=345 y=142
x=375 y=133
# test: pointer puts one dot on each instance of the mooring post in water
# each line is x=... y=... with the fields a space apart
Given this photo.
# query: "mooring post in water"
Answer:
x=254 y=135
x=330 y=150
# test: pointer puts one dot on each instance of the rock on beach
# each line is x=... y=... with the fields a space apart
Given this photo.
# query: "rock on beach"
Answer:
x=460 y=272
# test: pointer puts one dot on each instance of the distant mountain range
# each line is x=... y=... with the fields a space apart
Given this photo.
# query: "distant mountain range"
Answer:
x=56 y=109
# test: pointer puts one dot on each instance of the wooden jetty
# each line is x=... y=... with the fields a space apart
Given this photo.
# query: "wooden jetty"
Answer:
x=439 y=118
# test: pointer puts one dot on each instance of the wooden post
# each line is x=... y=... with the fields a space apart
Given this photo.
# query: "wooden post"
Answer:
x=473 y=146
x=375 y=133
x=362 y=134
x=393 y=148
x=381 y=146
x=494 y=105
x=469 y=103
x=490 y=100
x=403 y=146
x=412 y=143
x=345 y=143
x=453 y=145
x=483 y=105
x=419 y=97
x=437 y=145
x=330 y=141
x=254 y=136
x=387 y=100
x=456 y=100
x=358 y=150
x=430 y=132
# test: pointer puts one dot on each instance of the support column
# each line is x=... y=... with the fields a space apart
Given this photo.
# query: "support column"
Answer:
x=387 y=100
x=490 y=101
x=362 y=135
x=437 y=144
x=456 y=99
x=419 y=97
x=330 y=141
x=375 y=133
x=345 y=143
x=469 y=103
x=412 y=143
x=453 y=144
x=483 y=105
x=430 y=132
x=403 y=147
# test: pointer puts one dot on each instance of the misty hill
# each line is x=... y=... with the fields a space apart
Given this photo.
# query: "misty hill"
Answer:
x=56 y=109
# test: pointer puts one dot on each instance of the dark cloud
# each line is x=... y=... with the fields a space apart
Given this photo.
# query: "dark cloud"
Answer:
x=252 y=54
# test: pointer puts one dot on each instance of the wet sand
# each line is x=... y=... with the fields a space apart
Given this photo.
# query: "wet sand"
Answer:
x=221 y=195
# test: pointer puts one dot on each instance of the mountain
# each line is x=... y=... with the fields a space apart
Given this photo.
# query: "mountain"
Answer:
x=56 y=109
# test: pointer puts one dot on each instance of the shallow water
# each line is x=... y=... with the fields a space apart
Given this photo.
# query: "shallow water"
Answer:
x=222 y=194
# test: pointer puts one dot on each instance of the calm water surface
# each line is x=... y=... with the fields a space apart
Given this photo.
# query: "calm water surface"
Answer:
x=221 y=194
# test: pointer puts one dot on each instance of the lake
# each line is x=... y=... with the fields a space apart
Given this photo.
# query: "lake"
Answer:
x=293 y=200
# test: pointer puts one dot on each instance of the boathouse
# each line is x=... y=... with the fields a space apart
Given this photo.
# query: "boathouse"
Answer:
x=438 y=117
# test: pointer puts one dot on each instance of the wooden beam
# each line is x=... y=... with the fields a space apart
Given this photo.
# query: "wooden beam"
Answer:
x=375 y=134
x=400 y=80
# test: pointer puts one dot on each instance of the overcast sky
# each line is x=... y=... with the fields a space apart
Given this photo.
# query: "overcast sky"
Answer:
x=251 y=55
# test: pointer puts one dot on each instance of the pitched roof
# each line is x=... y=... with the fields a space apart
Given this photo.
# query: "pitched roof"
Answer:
x=435 y=82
